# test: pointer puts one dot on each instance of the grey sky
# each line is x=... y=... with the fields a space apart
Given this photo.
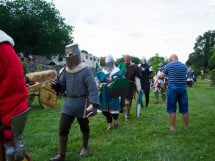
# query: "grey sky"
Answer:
x=138 y=27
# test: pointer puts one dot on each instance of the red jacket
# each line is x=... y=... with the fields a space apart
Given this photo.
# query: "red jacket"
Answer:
x=13 y=90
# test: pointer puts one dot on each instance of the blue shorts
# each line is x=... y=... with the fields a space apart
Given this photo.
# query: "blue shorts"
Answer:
x=177 y=95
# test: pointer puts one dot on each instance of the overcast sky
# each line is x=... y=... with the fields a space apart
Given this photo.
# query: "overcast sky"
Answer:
x=138 y=27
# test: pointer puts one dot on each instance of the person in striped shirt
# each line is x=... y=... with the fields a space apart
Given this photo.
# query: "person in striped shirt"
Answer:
x=177 y=90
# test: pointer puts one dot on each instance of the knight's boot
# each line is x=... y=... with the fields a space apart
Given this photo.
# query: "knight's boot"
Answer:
x=85 y=138
x=156 y=97
x=16 y=149
x=62 y=153
x=127 y=109
x=109 y=126
x=127 y=113
x=163 y=92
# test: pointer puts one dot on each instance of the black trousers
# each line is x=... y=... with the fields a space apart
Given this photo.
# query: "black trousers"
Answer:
x=66 y=122
x=146 y=93
x=109 y=116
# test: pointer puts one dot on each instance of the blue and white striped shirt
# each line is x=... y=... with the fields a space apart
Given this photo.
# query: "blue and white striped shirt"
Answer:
x=176 y=72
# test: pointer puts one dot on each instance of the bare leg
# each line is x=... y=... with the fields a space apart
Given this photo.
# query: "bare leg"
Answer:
x=172 y=117
x=186 y=120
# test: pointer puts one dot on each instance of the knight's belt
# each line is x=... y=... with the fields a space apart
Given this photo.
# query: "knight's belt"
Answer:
x=76 y=96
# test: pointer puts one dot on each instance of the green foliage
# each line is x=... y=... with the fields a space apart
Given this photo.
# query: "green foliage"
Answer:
x=24 y=64
x=213 y=77
x=102 y=61
x=212 y=58
x=36 y=27
x=155 y=61
x=134 y=59
x=84 y=51
x=146 y=138
x=202 y=51
x=197 y=71
x=119 y=60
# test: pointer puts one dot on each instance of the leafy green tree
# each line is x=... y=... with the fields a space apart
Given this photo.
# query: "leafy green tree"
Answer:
x=156 y=60
x=84 y=51
x=102 y=61
x=212 y=59
x=134 y=59
x=202 y=51
x=212 y=75
x=194 y=60
x=36 y=26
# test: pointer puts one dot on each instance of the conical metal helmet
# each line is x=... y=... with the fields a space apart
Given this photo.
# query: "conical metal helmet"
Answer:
x=109 y=63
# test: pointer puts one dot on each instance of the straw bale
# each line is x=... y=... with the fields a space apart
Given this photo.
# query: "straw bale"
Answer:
x=42 y=76
x=47 y=96
x=34 y=88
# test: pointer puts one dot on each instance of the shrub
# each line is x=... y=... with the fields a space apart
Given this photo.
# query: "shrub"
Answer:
x=213 y=77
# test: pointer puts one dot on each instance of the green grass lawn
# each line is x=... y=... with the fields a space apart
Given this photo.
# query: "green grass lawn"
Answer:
x=144 y=139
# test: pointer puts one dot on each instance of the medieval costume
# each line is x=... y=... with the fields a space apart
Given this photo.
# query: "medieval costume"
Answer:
x=132 y=71
x=80 y=91
x=146 y=71
x=110 y=106
x=13 y=100
x=160 y=85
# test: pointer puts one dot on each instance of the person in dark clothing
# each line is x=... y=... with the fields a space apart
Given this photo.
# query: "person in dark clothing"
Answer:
x=146 y=71
x=132 y=71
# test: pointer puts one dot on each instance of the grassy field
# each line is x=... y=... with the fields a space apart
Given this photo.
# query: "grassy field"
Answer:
x=144 y=139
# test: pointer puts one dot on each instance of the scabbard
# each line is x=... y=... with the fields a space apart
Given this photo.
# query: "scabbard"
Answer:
x=85 y=108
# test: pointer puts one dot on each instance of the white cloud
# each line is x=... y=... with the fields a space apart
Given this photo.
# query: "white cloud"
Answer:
x=138 y=27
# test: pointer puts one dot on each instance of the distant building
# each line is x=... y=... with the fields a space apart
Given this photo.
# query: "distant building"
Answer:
x=92 y=61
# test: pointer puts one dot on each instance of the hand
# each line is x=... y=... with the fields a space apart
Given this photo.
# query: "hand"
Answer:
x=55 y=84
x=91 y=111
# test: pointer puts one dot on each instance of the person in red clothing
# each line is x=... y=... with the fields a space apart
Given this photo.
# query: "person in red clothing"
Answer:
x=13 y=100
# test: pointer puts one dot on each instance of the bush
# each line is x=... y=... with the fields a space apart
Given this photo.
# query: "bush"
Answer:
x=213 y=77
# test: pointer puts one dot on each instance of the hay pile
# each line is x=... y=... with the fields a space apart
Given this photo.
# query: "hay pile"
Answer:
x=42 y=76
x=34 y=88
x=47 y=96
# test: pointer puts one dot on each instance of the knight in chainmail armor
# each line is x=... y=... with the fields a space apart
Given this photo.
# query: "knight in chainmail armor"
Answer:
x=81 y=93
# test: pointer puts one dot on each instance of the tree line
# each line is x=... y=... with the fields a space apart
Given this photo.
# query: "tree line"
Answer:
x=38 y=28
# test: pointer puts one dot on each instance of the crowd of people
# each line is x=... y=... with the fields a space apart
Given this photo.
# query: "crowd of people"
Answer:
x=86 y=97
